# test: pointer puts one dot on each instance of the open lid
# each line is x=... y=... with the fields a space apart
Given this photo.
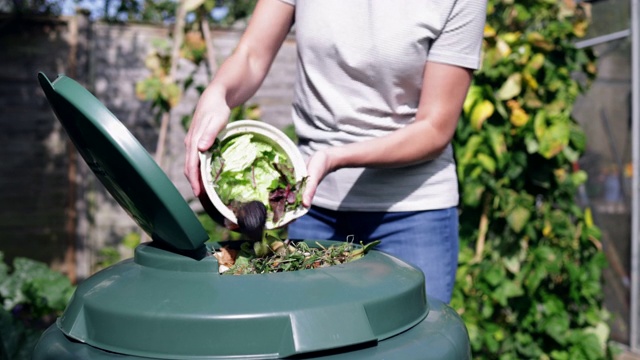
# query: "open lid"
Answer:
x=125 y=168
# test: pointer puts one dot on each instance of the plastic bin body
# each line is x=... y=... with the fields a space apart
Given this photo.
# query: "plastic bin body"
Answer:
x=441 y=335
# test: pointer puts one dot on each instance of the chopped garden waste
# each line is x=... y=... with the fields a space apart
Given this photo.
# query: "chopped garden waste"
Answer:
x=274 y=255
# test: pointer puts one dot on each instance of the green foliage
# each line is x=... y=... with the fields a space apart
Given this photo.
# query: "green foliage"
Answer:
x=32 y=296
x=159 y=88
x=529 y=281
x=110 y=255
x=34 y=284
x=238 y=10
x=32 y=7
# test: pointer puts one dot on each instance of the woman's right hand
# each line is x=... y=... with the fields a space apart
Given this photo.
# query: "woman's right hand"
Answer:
x=209 y=118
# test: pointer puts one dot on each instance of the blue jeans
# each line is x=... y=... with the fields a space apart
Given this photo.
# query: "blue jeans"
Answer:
x=425 y=239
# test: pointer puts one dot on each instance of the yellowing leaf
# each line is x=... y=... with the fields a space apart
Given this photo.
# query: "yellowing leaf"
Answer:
x=530 y=80
x=531 y=99
x=489 y=31
x=546 y=231
x=536 y=62
x=519 y=117
x=540 y=124
x=473 y=95
x=503 y=48
x=580 y=28
x=480 y=113
x=561 y=174
x=511 y=88
x=171 y=94
x=538 y=40
x=588 y=217
x=511 y=37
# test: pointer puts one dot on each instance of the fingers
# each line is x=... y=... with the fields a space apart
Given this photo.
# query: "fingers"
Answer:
x=309 y=192
x=204 y=128
x=317 y=168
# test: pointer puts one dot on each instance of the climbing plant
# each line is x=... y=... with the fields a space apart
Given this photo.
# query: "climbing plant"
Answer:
x=529 y=281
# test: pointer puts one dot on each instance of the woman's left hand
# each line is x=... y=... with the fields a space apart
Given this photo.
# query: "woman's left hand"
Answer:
x=318 y=166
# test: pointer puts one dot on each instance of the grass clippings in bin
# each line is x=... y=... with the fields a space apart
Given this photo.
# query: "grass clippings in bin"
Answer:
x=275 y=255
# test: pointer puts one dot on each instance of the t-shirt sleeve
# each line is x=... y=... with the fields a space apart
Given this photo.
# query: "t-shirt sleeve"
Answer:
x=460 y=41
x=290 y=2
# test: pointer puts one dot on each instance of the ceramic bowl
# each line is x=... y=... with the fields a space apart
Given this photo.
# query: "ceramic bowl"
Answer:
x=264 y=132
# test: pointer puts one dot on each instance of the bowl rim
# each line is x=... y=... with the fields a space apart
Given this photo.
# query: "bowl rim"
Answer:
x=280 y=139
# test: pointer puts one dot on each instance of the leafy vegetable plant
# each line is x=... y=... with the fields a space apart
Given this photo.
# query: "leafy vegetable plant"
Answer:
x=244 y=168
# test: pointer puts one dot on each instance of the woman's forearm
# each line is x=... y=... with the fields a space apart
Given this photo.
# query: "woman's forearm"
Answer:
x=444 y=90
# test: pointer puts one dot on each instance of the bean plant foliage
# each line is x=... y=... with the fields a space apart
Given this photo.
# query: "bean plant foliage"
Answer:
x=529 y=280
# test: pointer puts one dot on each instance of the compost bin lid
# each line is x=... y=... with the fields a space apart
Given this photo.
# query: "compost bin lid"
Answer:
x=125 y=168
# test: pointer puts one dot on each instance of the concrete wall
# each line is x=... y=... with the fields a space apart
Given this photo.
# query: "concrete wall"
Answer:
x=49 y=201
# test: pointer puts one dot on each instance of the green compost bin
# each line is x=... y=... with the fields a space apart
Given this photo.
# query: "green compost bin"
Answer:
x=169 y=301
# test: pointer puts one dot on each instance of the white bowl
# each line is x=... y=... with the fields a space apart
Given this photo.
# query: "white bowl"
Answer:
x=277 y=139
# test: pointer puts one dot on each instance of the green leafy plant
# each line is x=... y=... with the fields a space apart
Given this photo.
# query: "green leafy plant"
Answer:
x=32 y=297
x=529 y=281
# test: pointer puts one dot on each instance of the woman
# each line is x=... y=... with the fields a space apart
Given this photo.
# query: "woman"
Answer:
x=379 y=89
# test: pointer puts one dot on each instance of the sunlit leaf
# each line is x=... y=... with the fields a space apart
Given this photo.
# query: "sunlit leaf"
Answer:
x=489 y=31
x=511 y=37
x=470 y=149
x=588 y=217
x=480 y=113
x=511 y=88
x=530 y=80
x=487 y=162
x=503 y=48
x=580 y=28
x=518 y=117
x=536 y=62
x=540 y=124
x=473 y=95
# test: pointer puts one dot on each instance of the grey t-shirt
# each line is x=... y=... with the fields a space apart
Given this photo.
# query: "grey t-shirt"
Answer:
x=359 y=75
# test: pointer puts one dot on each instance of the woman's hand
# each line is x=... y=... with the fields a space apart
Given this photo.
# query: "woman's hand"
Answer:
x=319 y=165
x=209 y=118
